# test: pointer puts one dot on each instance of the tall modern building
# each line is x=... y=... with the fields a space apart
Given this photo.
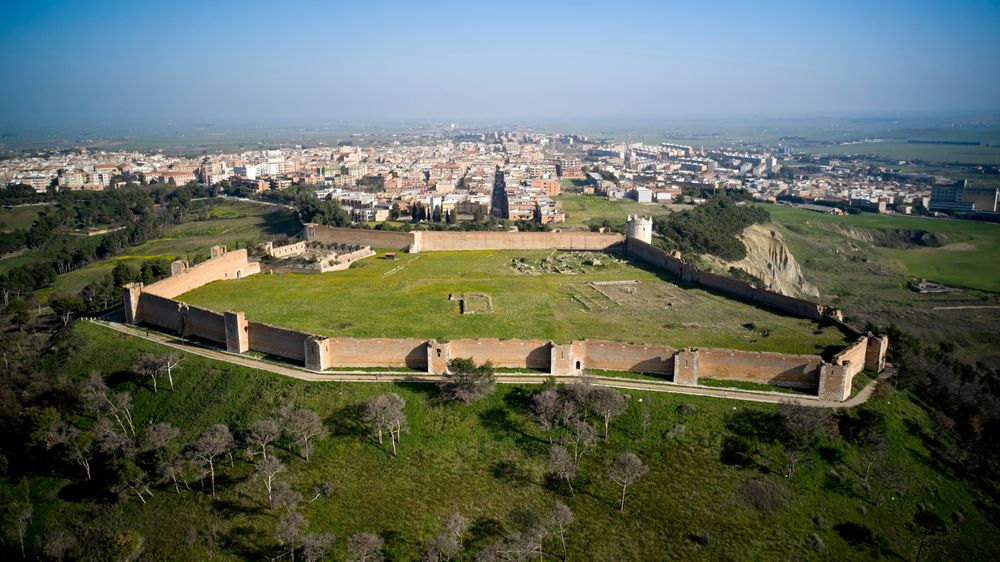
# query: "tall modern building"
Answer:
x=961 y=197
x=501 y=208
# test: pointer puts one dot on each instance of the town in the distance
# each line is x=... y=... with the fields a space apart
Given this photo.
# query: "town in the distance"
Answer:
x=451 y=175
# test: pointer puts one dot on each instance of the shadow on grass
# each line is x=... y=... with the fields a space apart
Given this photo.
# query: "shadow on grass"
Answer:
x=511 y=472
x=500 y=424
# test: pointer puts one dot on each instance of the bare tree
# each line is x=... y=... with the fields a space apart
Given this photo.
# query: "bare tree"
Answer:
x=384 y=413
x=563 y=465
x=284 y=496
x=466 y=382
x=79 y=448
x=546 y=409
x=889 y=479
x=803 y=425
x=168 y=363
x=626 y=470
x=173 y=466
x=606 y=403
x=647 y=414
x=22 y=518
x=323 y=490
x=365 y=547
x=109 y=441
x=561 y=517
x=58 y=543
x=447 y=544
x=583 y=436
x=147 y=366
x=96 y=395
x=874 y=446
x=315 y=546
x=289 y=530
x=942 y=424
x=261 y=435
x=158 y=436
x=217 y=440
x=302 y=426
x=268 y=469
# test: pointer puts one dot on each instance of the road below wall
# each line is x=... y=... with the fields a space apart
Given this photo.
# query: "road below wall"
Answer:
x=502 y=378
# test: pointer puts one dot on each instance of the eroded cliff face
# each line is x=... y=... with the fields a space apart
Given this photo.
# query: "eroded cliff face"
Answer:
x=769 y=259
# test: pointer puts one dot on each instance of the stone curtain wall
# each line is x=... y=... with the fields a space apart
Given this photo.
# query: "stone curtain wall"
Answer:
x=800 y=308
x=433 y=241
x=154 y=305
x=230 y=265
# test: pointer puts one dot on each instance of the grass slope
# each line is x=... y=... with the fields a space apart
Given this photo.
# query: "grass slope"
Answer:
x=210 y=222
x=20 y=217
x=487 y=461
x=408 y=297
x=582 y=210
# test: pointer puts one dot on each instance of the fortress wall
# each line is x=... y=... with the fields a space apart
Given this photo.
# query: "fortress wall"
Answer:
x=231 y=265
x=727 y=285
x=654 y=256
x=431 y=241
x=789 y=305
x=528 y=354
x=361 y=237
x=798 y=371
x=161 y=312
x=204 y=324
x=617 y=356
x=875 y=356
x=852 y=359
x=287 y=250
x=353 y=352
x=277 y=341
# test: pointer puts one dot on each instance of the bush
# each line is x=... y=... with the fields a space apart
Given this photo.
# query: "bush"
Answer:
x=764 y=495
x=466 y=382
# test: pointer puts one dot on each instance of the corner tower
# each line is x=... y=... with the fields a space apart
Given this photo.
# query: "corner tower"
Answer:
x=640 y=228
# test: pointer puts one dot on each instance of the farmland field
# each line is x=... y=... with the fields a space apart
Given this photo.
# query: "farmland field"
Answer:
x=409 y=297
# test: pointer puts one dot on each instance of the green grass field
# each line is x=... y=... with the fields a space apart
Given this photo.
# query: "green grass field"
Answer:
x=408 y=297
x=582 y=210
x=488 y=462
x=19 y=218
x=210 y=222
x=970 y=260
x=869 y=282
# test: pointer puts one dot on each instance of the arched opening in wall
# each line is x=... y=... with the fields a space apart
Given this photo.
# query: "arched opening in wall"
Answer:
x=239 y=274
x=577 y=365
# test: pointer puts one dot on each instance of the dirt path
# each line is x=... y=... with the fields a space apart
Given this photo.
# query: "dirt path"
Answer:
x=502 y=378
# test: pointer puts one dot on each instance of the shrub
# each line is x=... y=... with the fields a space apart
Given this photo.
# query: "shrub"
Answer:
x=764 y=495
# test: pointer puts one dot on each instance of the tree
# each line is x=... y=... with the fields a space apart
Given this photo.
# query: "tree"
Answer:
x=546 y=409
x=261 y=435
x=284 y=496
x=803 y=425
x=302 y=426
x=289 y=530
x=466 y=382
x=168 y=363
x=147 y=366
x=647 y=414
x=583 y=436
x=365 y=547
x=315 y=546
x=158 y=436
x=58 y=543
x=606 y=403
x=385 y=413
x=447 y=544
x=930 y=525
x=874 y=446
x=626 y=470
x=563 y=465
x=217 y=440
x=561 y=517
x=67 y=307
x=97 y=397
x=268 y=469
x=394 y=211
x=21 y=519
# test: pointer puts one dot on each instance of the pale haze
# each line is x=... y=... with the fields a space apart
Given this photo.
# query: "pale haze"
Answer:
x=109 y=63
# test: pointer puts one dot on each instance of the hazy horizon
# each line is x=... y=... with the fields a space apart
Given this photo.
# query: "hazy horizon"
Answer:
x=123 y=65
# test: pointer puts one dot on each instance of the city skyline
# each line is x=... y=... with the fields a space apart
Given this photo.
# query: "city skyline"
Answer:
x=115 y=64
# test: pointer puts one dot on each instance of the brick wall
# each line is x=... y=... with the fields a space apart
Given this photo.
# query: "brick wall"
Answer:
x=796 y=371
x=203 y=324
x=353 y=352
x=231 y=265
x=528 y=354
x=375 y=238
x=277 y=341
x=430 y=241
x=617 y=356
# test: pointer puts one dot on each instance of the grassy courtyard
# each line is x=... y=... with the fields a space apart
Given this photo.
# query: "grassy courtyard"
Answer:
x=409 y=297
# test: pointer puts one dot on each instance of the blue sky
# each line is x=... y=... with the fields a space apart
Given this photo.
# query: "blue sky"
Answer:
x=233 y=62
